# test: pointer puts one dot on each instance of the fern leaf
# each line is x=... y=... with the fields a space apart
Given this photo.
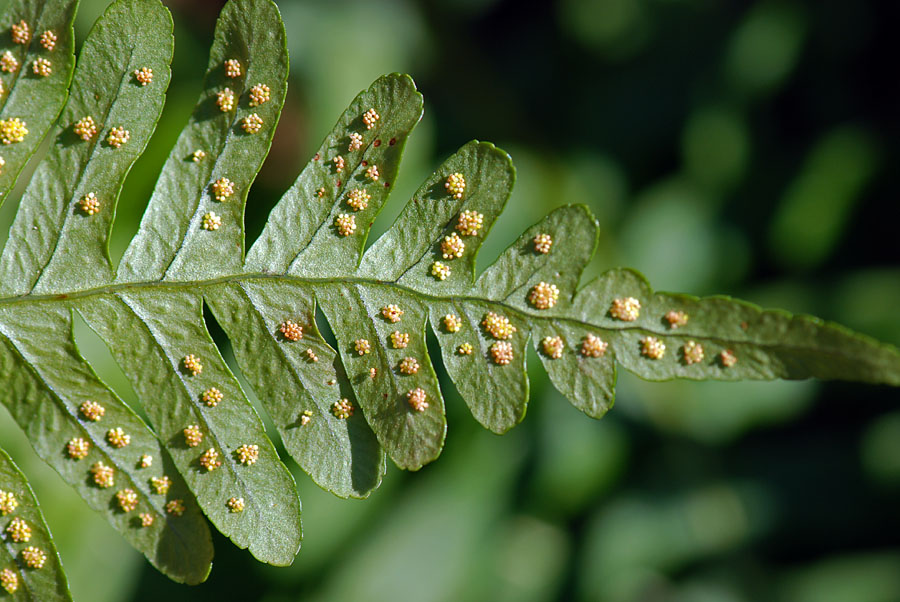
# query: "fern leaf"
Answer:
x=47 y=393
x=339 y=412
x=30 y=568
x=35 y=72
x=66 y=214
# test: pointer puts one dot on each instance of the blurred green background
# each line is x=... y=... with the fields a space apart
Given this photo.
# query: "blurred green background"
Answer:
x=726 y=147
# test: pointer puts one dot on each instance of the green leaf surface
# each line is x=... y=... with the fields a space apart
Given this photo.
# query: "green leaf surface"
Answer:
x=768 y=344
x=340 y=412
x=410 y=438
x=342 y=456
x=52 y=237
x=24 y=94
x=299 y=236
x=171 y=243
x=160 y=330
x=44 y=393
x=47 y=583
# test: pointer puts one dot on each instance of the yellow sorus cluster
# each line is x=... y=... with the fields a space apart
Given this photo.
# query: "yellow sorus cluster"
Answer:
x=362 y=346
x=89 y=204
x=259 y=94
x=399 y=340
x=18 y=530
x=233 y=68
x=225 y=100
x=78 y=448
x=626 y=309
x=456 y=185
x=8 y=63
x=127 y=499
x=356 y=142
x=417 y=399
x=544 y=296
x=211 y=221
x=345 y=224
x=12 y=130
x=198 y=155
x=470 y=222
x=222 y=189
x=161 y=484
x=104 y=476
x=146 y=461
x=210 y=460
x=8 y=502
x=34 y=558
x=502 y=352
x=48 y=40
x=193 y=436
x=252 y=123
x=144 y=75
x=117 y=437
x=452 y=246
x=358 y=199
x=728 y=358
x=85 y=128
x=312 y=355
x=409 y=365
x=21 y=32
x=676 y=319
x=175 y=507
x=370 y=118
x=542 y=243
x=92 y=410
x=440 y=270
x=593 y=346
x=146 y=519
x=9 y=581
x=465 y=349
x=693 y=352
x=291 y=331
x=452 y=323
x=372 y=173
x=212 y=397
x=235 y=504
x=42 y=67
x=553 y=347
x=392 y=313
x=192 y=364
x=305 y=417
x=498 y=326
x=342 y=409
x=247 y=454
x=118 y=136
x=652 y=348
x=373 y=372
x=338 y=163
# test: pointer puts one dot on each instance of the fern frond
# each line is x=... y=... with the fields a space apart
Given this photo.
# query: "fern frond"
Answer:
x=339 y=412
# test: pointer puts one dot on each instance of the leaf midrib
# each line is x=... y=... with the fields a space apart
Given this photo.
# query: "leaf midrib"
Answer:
x=180 y=286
